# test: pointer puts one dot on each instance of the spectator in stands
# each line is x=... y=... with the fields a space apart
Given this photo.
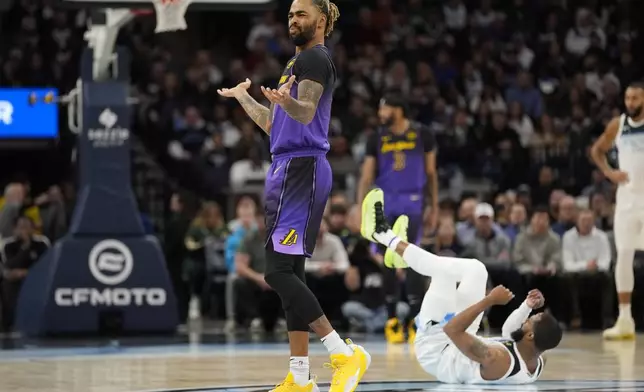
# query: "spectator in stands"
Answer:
x=603 y=211
x=19 y=253
x=599 y=184
x=446 y=243
x=524 y=92
x=490 y=246
x=182 y=213
x=366 y=306
x=250 y=171
x=586 y=263
x=517 y=221
x=566 y=215
x=193 y=131
x=239 y=227
x=325 y=271
x=537 y=254
x=256 y=304
x=466 y=228
x=10 y=207
x=205 y=243
x=338 y=221
x=51 y=207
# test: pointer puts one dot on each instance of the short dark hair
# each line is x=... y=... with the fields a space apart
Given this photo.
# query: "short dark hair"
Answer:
x=637 y=84
x=337 y=209
x=395 y=100
x=547 y=332
x=540 y=210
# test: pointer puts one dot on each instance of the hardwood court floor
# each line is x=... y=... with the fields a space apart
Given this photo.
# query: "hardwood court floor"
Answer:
x=195 y=365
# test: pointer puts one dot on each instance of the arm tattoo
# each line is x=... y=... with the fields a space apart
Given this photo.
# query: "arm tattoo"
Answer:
x=303 y=109
x=259 y=113
x=479 y=350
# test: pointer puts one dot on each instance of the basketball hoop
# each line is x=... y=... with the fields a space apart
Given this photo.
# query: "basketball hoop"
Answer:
x=171 y=15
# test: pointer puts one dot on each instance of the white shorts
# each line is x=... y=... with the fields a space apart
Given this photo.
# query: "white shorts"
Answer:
x=439 y=357
x=628 y=227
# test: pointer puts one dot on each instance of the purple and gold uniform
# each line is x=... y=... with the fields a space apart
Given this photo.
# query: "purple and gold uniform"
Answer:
x=402 y=173
x=299 y=181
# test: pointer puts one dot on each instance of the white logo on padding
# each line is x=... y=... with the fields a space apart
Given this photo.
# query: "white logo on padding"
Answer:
x=108 y=118
x=111 y=262
x=6 y=112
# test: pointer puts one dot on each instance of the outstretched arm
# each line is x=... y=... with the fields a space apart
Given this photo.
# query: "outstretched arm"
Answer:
x=260 y=114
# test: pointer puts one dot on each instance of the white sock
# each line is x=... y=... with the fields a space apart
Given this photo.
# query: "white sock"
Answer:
x=334 y=343
x=625 y=311
x=388 y=239
x=299 y=368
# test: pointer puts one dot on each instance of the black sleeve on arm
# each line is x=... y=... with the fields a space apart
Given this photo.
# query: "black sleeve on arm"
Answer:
x=372 y=145
x=313 y=64
x=429 y=141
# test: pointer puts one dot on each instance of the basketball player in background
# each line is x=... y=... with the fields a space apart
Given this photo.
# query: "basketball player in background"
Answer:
x=401 y=160
x=446 y=344
x=297 y=188
x=626 y=132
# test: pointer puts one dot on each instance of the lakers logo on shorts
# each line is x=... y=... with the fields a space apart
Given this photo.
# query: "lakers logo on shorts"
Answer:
x=290 y=238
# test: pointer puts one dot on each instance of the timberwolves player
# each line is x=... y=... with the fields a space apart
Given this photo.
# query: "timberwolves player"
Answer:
x=627 y=134
x=297 y=189
x=446 y=344
x=401 y=159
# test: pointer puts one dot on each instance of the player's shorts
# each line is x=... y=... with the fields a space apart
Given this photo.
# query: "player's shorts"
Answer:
x=437 y=355
x=296 y=192
x=628 y=224
x=434 y=352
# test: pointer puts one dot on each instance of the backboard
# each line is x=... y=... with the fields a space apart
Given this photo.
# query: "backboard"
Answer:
x=215 y=5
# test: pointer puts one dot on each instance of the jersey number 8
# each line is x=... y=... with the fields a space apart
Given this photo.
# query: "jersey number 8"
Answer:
x=400 y=160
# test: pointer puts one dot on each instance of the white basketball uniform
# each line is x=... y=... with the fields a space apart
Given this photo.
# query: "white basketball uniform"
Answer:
x=439 y=357
x=629 y=208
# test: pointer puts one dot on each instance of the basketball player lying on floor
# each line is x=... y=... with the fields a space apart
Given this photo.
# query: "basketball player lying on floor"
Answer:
x=446 y=344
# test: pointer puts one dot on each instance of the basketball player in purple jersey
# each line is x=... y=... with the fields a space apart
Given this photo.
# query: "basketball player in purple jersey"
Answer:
x=297 y=188
x=401 y=160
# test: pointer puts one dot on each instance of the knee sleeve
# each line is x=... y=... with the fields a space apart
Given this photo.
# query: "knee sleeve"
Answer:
x=300 y=305
x=624 y=275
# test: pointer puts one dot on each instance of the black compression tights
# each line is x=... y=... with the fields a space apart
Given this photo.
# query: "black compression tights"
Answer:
x=285 y=274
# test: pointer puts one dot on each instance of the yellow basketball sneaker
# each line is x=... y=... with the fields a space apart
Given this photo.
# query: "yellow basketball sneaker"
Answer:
x=368 y=224
x=624 y=329
x=394 y=333
x=289 y=385
x=348 y=370
x=393 y=259
x=411 y=332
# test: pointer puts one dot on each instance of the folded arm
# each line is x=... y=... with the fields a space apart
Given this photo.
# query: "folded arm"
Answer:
x=260 y=114
x=471 y=346
x=304 y=107
x=515 y=320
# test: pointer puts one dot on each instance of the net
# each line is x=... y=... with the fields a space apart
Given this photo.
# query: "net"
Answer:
x=171 y=15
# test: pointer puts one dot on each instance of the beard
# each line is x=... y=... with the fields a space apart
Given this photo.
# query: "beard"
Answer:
x=304 y=36
x=389 y=121
x=517 y=335
x=634 y=112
